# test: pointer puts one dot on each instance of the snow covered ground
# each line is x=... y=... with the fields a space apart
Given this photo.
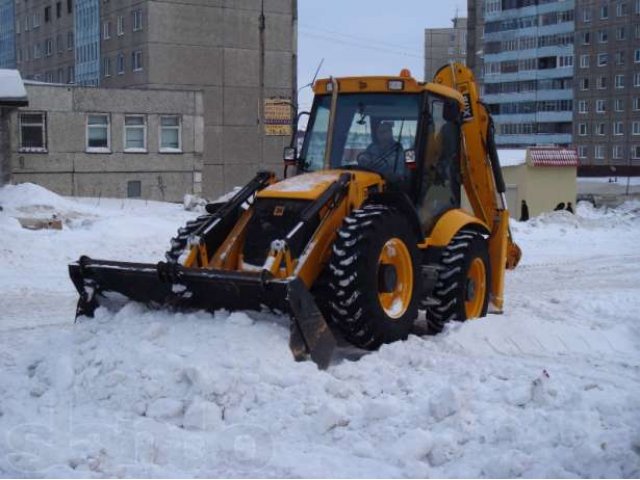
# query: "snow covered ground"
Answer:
x=550 y=388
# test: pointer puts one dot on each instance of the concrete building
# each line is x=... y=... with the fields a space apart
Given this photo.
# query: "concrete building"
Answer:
x=475 y=33
x=240 y=53
x=607 y=86
x=7 y=34
x=12 y=96
x=444 y=45
x=109 y=143
x=527 y=68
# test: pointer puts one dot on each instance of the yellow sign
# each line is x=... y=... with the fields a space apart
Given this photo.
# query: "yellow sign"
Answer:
x=277 y=116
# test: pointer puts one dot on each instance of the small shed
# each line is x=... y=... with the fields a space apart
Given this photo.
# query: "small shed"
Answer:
x=543 y=176
x=12 y=96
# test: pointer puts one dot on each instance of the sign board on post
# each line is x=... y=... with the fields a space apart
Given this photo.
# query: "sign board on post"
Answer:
x=277 y=116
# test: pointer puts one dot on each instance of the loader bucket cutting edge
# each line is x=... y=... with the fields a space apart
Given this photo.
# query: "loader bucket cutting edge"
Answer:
x=182 y=288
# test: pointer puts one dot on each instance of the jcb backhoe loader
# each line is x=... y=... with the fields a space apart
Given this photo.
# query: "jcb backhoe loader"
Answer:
x=367 y=232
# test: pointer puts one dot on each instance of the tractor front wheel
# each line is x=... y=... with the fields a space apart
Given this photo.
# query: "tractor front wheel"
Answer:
x=374 y=277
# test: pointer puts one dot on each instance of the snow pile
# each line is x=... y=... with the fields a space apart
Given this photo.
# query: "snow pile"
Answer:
x=549 y=389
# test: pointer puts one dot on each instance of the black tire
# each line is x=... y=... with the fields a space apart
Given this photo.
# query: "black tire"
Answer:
x=355 y=306
x=179 y=242
x=453 y=287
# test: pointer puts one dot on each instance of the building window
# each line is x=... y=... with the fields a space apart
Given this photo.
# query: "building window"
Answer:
x=106 y=30
x=584 y=84
x=98 y=133
x=620 y=33
x=599 y=150
x=134 y=189
x=635 y=151
x=136 y=16
x=600 y=129
x=586 y=38
x=36 y=19
x=604 y=12
x=565 y=61
x=618 y=129
x=120 y=64
x=635 y=128
x=601 y=106
x=584 y=61
x=59 y=44
x=582 y=129
x=136 y=60
x=583 y=106
x=47 y=14
x=170 y=133
x=602 y=59
x=620 y=58
x=586 y=15
x=37 y=51
x=135 y=133
x=603 y=36
x=636 y=56
x=582 y=151
x=69 y=40
x=48 y=47
x=621 y=9
x=58 y=9
x=636 y=104
x=71 y=74
x=26 y=23
x=618 y=150
x=120 y=25
x=33 y=132
x=106 y=66
x=636 y=79
x=601 y=83
x=619 y=105
x=619 y=80
x=69 y=6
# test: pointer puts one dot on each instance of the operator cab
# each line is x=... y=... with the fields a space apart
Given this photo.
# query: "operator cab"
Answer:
x=410 y=136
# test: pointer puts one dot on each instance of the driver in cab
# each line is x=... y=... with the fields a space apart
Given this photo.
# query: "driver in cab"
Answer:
x=385 y=155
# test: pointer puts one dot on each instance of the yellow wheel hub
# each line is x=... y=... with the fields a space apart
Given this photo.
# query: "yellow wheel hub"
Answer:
x=476 y=290
x=395 y=278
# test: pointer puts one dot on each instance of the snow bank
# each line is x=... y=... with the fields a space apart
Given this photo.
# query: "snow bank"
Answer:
x=548 y=389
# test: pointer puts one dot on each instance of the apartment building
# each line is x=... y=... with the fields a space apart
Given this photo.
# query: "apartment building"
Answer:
x=528 y=64
x=241 y=55
x=607 y=85
x=444 y=45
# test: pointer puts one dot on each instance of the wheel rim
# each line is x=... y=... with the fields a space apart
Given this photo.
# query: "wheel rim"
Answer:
x=476 y=288
x=396 y=254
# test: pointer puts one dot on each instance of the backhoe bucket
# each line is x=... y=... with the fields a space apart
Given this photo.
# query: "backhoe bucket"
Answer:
x=181 y=288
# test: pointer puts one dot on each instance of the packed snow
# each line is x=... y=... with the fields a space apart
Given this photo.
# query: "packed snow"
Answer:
x=548 y=389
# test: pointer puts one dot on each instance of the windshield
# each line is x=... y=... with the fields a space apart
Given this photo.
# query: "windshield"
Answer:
x=371 y=131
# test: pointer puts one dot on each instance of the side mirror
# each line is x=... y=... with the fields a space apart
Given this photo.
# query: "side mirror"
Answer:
x=290 y=155
x=410 y=159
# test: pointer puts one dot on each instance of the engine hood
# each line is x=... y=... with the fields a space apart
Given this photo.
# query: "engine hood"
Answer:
x=307 y=186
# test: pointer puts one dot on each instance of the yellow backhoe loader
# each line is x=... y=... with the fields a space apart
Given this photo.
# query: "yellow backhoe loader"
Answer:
x=368 y=231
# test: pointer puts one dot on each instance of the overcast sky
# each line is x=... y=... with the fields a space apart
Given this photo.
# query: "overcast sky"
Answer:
x=366 y=37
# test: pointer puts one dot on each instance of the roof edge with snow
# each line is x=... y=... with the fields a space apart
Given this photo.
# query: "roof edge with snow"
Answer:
x=12 y=91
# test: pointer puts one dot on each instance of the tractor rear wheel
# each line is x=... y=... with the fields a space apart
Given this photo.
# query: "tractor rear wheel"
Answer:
x=462 y=289
x=374 y=277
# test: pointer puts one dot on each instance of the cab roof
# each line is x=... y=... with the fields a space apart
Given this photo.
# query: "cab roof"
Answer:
x=402 y=83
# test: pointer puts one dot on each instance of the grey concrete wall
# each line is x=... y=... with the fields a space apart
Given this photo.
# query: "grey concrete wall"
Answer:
x=69 y=169
x=220 y=47
x=58 y=60
x=5 y=149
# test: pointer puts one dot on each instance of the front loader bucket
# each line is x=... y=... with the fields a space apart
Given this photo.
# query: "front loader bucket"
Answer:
x=178 y=287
